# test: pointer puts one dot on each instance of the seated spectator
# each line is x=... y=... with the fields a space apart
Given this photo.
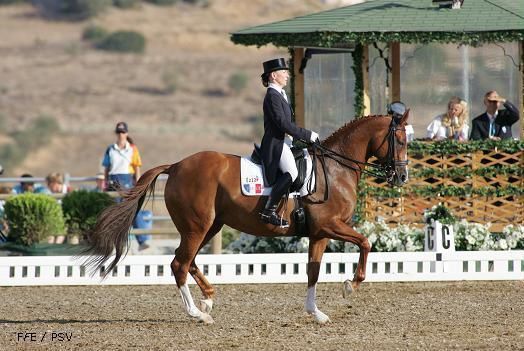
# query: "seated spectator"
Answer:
x=495 y=123
x=452 y=124
x=28 y=186
x=100 y=182
x=55 y=183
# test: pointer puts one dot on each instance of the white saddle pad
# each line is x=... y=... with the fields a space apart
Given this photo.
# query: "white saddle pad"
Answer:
x=252 y=178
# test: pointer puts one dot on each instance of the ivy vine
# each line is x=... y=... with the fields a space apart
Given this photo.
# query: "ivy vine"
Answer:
x=338 y=39
x=450 y=147
x=440 y=190
x=359 y=80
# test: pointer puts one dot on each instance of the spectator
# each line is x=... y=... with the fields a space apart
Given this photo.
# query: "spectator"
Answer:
x=100 y=182
x=55 y=184
x=495 y=123
x=122 y=168
x=122 y=161
x=452 y=124
x=28 y=186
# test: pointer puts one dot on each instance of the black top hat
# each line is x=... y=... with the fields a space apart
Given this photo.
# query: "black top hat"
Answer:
x=274 y=65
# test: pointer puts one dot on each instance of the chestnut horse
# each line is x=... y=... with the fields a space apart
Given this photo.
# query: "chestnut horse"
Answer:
x=203 y=193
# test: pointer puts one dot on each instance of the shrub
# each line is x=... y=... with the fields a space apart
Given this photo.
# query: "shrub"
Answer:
x=237 y=82
x=38 y=134
x=83 y=9
x=228 y=236
x=170 y=80
x=94 y=33
x=163 y=2
x=125 y=4
x=203 y=3
x=81 y=207
x=123 y=41
x=9 y=2
x=32 y=218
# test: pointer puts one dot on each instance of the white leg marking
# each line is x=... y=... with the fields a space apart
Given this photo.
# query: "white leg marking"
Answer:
x=206 y=305
x=311 y=306
x=347 y=289
x=191 y=308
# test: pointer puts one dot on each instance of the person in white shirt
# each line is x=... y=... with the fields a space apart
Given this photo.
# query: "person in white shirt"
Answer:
x=451 y=125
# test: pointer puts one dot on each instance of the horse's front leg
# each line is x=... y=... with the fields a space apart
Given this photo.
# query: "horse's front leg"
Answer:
x=316 y=250
x=339 y=230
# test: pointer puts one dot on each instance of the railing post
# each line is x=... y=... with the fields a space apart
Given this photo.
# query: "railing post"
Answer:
x=216 y=243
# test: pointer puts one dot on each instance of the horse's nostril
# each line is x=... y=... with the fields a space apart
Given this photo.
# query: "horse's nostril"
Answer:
x=403 y=178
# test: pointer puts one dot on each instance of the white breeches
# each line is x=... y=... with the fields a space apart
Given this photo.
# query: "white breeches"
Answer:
x=287 y=162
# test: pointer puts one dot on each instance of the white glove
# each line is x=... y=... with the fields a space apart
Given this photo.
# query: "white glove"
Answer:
x=314 y=136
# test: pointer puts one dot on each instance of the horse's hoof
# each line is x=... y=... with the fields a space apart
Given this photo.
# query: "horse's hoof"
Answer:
x=206 y=305
x=347 y=289
x=321 y=317
x=206 y=318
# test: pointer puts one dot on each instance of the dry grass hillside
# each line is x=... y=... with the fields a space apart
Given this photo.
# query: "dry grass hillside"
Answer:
x=46 y=69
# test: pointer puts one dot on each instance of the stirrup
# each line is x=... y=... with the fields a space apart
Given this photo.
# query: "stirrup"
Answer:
x=274 y=219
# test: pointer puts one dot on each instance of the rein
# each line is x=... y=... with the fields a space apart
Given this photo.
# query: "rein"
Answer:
x=384 y=170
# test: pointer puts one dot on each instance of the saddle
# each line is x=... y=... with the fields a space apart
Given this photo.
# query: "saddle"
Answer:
x=300 y=161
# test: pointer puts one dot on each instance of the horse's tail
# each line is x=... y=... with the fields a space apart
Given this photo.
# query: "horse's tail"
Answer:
x=112 y=227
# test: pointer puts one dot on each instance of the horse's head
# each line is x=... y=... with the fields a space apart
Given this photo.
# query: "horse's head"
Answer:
x=391 y=146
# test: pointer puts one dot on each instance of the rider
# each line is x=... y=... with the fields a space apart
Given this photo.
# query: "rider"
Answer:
x=276 y=152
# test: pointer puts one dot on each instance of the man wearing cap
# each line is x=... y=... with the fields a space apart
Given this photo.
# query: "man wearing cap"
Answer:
x=279 y=131
x=494 y=124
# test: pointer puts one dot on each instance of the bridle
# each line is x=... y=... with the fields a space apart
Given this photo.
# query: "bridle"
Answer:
x=383 y=170
x=391 y=163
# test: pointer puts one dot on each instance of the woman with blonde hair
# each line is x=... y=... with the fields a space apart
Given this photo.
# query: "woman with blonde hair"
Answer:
x=453 y=124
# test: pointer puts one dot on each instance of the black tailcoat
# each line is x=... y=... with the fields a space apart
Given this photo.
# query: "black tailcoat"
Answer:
x=277 y=122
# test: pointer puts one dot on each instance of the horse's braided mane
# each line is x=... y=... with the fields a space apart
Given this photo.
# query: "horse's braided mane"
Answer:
x=349 y=125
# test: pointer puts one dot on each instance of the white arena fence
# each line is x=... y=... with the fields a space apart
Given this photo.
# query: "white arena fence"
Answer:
x=270 y=268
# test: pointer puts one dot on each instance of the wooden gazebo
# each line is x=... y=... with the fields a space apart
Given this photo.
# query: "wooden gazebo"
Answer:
x=479 y=181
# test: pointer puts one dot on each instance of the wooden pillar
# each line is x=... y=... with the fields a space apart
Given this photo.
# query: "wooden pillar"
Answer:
x=365 y=80
x=216 y=243
x=300 y=108
x=394 y=60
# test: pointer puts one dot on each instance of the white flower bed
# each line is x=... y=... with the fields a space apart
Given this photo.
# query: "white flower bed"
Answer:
x=468 y=236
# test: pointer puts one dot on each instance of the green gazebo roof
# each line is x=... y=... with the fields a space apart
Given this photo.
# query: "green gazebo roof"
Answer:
x=476 y=22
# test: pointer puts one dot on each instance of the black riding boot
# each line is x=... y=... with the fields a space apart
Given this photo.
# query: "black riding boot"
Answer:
x=280 y=188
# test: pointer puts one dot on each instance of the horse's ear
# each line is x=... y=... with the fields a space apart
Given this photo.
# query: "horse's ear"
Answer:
x=404 y=119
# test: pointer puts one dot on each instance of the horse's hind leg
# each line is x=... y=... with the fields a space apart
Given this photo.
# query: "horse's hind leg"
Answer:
x=184 y=255
x=206 y=305
x=316 y=251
